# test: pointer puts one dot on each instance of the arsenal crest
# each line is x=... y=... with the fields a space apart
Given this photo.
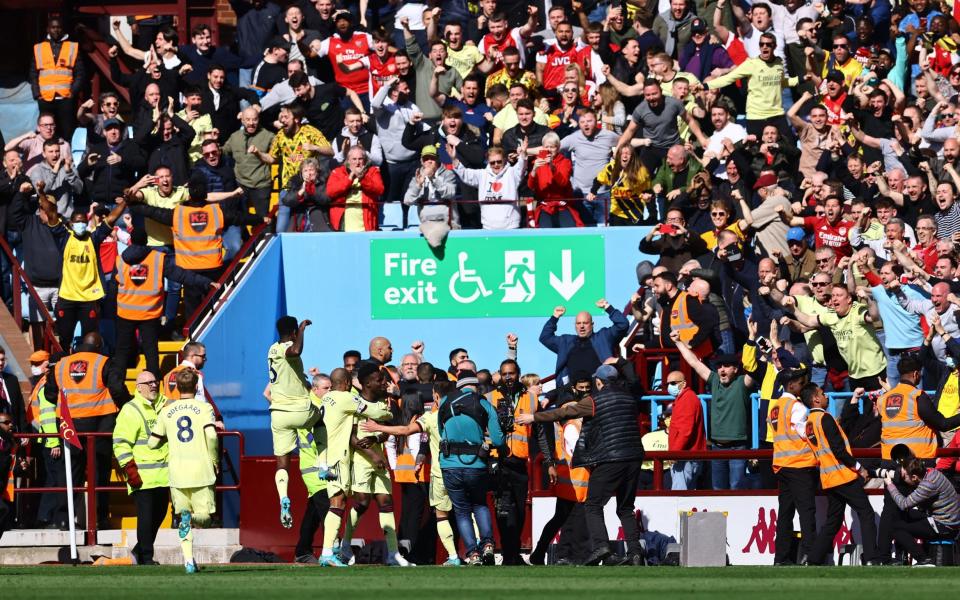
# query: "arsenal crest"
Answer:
x=893 y=405
x=78 y=370
x=139 y=274
x=199 y=220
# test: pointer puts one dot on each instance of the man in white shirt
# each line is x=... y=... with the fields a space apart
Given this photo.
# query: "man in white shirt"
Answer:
x=724 y=130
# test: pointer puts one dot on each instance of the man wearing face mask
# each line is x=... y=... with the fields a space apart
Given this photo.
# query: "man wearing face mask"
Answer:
x=511 y=400
x=686 y=431
x=81 y=284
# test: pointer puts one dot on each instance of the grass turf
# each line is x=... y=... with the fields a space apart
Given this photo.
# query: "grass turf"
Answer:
x=289 y=582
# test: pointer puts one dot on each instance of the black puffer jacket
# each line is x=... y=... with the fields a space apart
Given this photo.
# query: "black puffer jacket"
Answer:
x=612 y=434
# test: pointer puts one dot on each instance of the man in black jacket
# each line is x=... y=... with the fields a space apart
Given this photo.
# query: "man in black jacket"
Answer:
x=222 y=102
x=11 y=398
x=43 y=235
x=166 y=142
x=610 y=445
x=113 y=164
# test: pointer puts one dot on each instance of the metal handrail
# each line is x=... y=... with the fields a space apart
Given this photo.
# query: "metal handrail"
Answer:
x=19 y=278
x=90 y=488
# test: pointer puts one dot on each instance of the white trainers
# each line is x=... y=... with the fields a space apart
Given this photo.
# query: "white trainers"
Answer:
x=397 y=560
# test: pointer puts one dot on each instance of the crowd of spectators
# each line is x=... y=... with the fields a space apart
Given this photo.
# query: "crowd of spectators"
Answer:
x=795 y=166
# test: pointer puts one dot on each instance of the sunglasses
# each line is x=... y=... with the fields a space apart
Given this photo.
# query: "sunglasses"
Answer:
x=955 y=74
x=569 y=90
x=841 y=46
x=214 y=153
x=5 y=422
x=154 y=382
x=496 y=162
x=718 y=214
x=819 y=284
x=767 y=45
x=111 y=104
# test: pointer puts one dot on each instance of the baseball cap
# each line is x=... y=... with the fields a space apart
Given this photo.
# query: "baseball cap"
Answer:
x=698 y=26
x=836 y=77
x=765 y=180
x=39 y=356
x=428 y=150
x=726 y=359
x=112 y=122
x=606 y=373
x=796 y=234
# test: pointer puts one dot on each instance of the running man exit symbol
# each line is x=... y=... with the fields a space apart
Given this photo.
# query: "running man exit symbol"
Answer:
x=520 y=281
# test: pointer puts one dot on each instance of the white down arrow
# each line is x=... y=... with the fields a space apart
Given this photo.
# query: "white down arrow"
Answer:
x=566 y=285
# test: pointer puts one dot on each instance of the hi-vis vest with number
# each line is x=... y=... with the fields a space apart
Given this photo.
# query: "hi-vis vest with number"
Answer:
x=518 y=440
x=140 y=292
x=80 y=377
x=901 y=423
x=80 y=280
x=789 y=449
x=571 y=483
x=197 y=239
x=55 y=75
x=832 y=472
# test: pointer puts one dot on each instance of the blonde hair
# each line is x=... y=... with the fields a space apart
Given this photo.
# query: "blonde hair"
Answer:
x=529 y=379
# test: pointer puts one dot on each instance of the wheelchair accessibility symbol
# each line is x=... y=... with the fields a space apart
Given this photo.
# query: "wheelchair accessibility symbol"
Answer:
x=467 y=279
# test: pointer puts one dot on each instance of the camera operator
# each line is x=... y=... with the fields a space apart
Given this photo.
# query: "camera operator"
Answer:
x=930 y=511
x=910 y=418
x=610 y=445
x=510 y=481
x=464 y=418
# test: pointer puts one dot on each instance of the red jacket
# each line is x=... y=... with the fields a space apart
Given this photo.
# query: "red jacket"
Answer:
x=950 y=463
x=686 y=425
x=338 y=188
x=551 y=187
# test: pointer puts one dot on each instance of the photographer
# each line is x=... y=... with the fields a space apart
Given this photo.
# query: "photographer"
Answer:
x=931 y=510
x=465 y=418
x=672 y=242
x=511 y=401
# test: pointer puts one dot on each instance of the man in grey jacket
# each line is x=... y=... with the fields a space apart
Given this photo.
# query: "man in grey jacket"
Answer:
x=432 y=189
x=58 y=175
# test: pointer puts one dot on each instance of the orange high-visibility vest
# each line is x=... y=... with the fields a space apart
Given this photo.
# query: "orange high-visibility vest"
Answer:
x=170 y=391
x=680 y=322
x=80 y=378
x=518 y=440
x=140 y=292
x=789 y=449
x=197 y=239
x=832 y=472
x=901 y=424
x=406 y=470
x=8 y=490
x=571 y=483
x=54 y=75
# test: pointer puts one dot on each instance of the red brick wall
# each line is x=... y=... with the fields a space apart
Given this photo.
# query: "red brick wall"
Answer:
x=225 y=14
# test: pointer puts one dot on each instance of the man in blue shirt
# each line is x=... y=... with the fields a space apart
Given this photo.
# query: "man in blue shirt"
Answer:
x=465 y=420
x=901 y=331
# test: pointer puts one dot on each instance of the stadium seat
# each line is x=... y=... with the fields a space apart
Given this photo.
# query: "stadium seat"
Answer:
x=392 y=216
x=78 y=144
x=413 y=218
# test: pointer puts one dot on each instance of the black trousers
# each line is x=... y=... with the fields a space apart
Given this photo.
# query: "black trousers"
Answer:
x=193 y=295
x=617 y=479
x=64 y=113
x=317 y=507
x=6 y=516
x=69 y=313
x=151 y=510
x=574 y=539
x=911 y=525
x=258 y=199
x=414 y=526
x=513 y=481
x=889 y=516
x=127 y=344
x=103 y=447
x=853 y=495
x=53 y=505
x=561 y=513
x=797 y=489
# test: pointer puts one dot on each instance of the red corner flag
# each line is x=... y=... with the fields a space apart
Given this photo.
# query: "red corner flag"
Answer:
x=67 y=431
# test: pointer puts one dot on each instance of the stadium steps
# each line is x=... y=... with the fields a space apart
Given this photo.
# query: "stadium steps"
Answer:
x=35 y=546
x=169 y=358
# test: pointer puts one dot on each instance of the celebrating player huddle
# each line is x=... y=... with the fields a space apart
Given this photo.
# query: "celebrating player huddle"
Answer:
x=349 y=462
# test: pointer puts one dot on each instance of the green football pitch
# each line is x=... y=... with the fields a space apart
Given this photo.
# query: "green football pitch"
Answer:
x=494 y=583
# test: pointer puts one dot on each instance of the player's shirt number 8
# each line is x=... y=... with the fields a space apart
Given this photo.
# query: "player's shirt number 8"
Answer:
x=184 y=429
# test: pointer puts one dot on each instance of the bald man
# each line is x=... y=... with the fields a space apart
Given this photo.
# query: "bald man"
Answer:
x=253 y=174
x=586 y=350
x=939 y=305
